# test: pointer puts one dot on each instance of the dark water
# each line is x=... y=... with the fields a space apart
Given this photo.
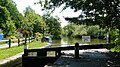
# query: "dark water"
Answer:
x=71 y=41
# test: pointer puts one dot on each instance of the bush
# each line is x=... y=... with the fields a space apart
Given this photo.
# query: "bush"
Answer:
x=81 y=30
x=1 y=31
x=39 y=35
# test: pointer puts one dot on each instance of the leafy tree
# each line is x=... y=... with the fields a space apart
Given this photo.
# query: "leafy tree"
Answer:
x=33 y=22
x=6 y=24
x=93 y=30
x=16 y=17
x=94 y=12
x=102 y=12
x=80 y=30
x=39 y=25
x=115 y=35
x=53 y=26
x=69 y=29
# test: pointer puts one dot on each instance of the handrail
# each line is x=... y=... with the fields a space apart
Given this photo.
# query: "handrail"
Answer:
x=39 y=57
x=79 y=47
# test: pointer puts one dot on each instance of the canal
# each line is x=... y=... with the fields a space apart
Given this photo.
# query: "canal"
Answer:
x=66 y=41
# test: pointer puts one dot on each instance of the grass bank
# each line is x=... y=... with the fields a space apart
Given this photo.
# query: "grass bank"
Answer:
x=2 y=43
x=8 y=52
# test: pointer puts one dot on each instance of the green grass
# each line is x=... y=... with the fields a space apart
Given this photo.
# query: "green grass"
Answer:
x=36 y=44
x=8 y=52
x=2 y=43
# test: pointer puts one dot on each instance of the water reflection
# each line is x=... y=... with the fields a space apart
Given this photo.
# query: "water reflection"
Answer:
x=65 y=41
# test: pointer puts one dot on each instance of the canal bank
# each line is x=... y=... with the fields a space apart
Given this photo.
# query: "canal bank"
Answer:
x=12 y=61
x=15 y=61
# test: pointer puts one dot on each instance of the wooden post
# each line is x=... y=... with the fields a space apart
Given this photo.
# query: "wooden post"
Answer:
x=9 y=43
x=18 y=41
x=25 y=44
x=108 y=38
x=76 y=50
x=29 y=39
x=25 y=40
x=25 y=52
x=58 y=53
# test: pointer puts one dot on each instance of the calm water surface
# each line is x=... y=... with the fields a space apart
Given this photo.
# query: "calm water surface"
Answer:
x=71 y=41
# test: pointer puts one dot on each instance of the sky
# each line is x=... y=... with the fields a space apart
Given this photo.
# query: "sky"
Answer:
x=22 y=4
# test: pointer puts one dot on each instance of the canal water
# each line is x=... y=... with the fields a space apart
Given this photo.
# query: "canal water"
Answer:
x=66 y=41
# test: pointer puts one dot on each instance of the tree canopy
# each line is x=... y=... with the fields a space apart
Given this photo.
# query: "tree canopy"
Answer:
x=13 y=23
x=94 y=12
x=83 y=30
x=10 y=17
x=32 y=22
x=104 y=13
x=6 y=24
x=53 y=26
x=16 y=17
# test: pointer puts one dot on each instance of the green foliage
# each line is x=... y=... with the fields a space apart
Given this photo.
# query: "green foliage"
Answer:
x=10 y=28
x=39 y=35
x=114 y=34
x=116 y=49
x=13 y=23
x=33 y=22
x=92 y=12
x=80 y=30
x=93 y=30
x=16 y=17
x=1 y=31
x=117 y=40
x=53 y=27
x=6 y=23
x=100 y=12
x=10 y=18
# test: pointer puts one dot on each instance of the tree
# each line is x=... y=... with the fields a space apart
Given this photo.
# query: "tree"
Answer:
x=94 y=12
x=81 y=30
x=102 y=12
x=6 y=24
x=53 y=26
x=93 y=30
x=16 y=17
x=70 y=29
x=33 y=22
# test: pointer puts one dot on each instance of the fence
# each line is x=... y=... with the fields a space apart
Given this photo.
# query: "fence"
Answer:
x=15 y=42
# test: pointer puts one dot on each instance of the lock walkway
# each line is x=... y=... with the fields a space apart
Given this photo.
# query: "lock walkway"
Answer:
x=88 y=58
